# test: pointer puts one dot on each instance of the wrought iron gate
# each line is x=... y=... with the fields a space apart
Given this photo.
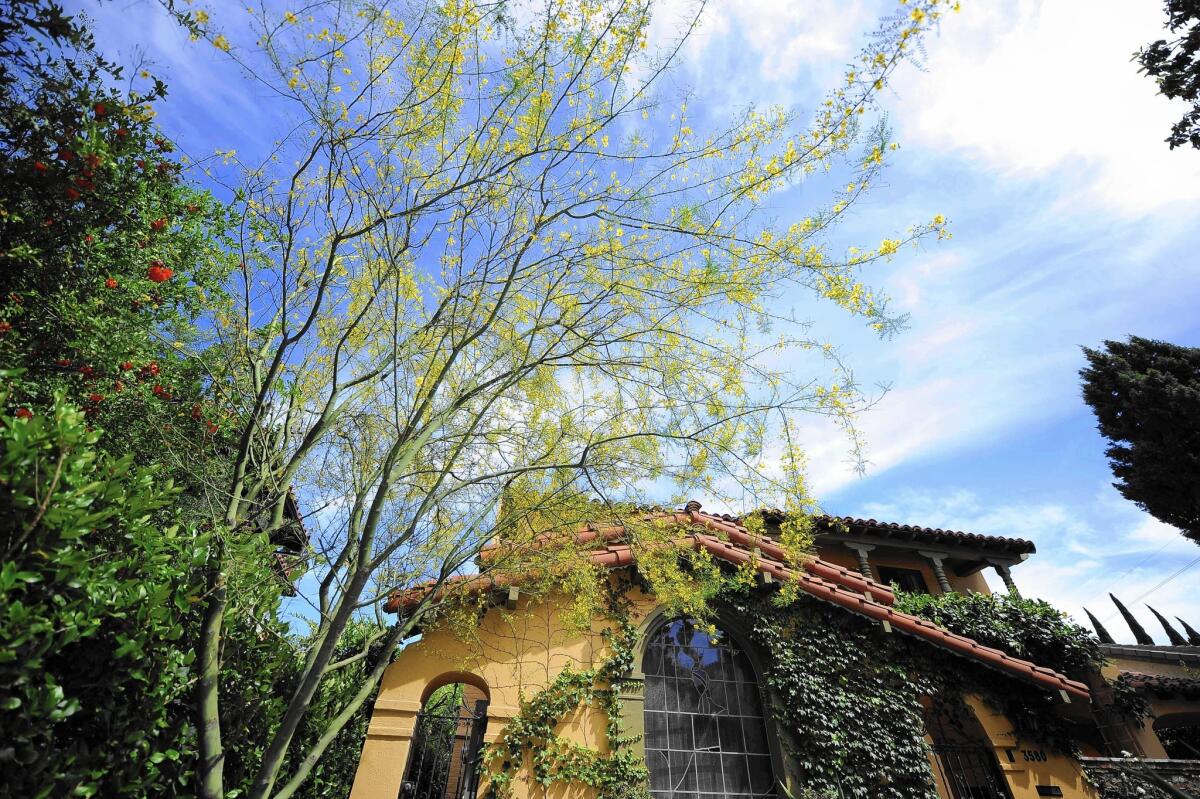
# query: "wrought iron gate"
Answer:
x=444 y=754
x=970 y=772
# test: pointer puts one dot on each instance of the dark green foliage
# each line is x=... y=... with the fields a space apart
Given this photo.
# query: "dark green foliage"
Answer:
x=1146 y=397
x=94 y=674
x=1192 y=635
x=1172 y=634
x=1101 y=633
x=1139 y=632
x=90 y=202
x=1175 y=66
x=1128 y=700
x=333 y=776
x=1133 y=779
x=848 y=697
x=1026 y=628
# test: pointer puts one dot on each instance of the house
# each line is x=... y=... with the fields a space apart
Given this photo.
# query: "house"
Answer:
x=706 y=708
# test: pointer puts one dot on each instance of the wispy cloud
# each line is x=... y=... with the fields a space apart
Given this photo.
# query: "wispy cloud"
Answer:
x=1084 y=553
x=1035 y=89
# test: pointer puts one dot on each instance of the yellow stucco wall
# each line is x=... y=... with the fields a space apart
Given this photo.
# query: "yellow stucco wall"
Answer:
x=1022 y=763
x=845 y=557
x=517 y=653
x=514 y=654
x=1144 y=736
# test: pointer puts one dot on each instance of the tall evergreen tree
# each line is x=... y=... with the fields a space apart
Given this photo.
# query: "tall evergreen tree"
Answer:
x=1146 y=397
x=1192 y=634
x=1101 y=633
x=1139 y=632
x=1172 y=634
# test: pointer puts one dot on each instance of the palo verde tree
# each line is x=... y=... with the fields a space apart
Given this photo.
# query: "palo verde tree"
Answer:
x=1146 y=397
x=494 y=272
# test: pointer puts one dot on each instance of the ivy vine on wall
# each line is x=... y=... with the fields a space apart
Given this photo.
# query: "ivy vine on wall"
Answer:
x=850 y=700
x=619 y=773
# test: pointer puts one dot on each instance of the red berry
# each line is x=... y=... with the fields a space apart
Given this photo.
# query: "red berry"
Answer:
x=95 y=398
x=4 y=327
x=118 y=386
x=141 y=162
x=110 y=283
x=72 y=193
x=66 y=155
x=100 y=109
x=88 y=239
x=192 y=208
x=38 y=166
x=24 y=413
x=153 y=368
x=86 y=371
x=64 y=362
x=158 y=272
x=196 y=411
x=122 y=133
x=158 y=389
x=126 y=366
x=14 y=297
x=93 y=160
x=158 y=224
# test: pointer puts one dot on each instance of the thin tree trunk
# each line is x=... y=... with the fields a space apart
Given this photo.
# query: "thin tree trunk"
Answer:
x=369 y=684
x=212 y=753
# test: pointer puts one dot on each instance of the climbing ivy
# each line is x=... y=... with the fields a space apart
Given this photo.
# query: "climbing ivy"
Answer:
x=850 y=700
x=845 y=694
x=619 y=773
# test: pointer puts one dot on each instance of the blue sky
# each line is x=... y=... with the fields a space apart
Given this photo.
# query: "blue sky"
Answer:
x=1029 y=128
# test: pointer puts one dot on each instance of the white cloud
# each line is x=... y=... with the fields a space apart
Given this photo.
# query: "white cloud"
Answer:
x=1081 y=557
x=1034 y=89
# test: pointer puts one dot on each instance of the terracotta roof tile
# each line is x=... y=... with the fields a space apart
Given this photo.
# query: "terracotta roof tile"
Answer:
x=726 y=538
x=1163 y=685
x=931 y=535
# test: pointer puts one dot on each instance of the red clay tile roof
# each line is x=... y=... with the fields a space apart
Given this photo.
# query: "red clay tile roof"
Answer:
x=1162 y=685
x=929 y=535
x=726 y=538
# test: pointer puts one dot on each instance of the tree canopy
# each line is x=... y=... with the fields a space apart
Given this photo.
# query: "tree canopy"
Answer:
x=1175 y=66
x=1146 y=397
x=492 y=278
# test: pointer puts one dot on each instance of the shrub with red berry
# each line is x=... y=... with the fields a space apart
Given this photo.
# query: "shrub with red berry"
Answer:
x=106 y=254
x=104 y=266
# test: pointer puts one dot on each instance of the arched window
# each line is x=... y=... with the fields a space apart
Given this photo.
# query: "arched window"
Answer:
x=705 y=734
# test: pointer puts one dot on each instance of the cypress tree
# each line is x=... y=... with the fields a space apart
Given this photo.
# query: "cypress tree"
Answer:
x=1172 y=633
x=1139 y=632
x=1101 y=633
x=1146 y=397
x=1193 y=636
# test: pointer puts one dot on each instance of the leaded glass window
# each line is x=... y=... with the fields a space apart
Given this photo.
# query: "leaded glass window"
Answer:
x=705 y=734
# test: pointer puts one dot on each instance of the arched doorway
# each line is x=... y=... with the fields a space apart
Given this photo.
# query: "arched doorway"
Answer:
x=963 y=756
x=1179 y=734
x=446 y=742
x=705 y=732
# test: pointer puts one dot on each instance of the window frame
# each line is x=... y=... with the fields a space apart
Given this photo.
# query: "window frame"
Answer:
x=633 y=697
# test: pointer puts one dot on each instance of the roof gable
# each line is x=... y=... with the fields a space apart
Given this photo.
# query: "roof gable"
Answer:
x=727 y=539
